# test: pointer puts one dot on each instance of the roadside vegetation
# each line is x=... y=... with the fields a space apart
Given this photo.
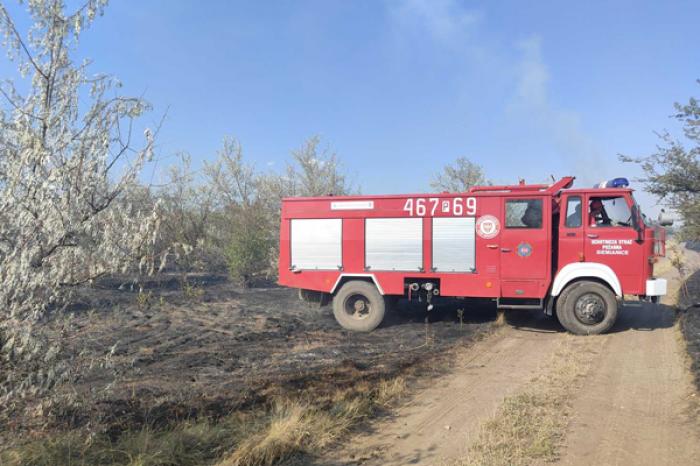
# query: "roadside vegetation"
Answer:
x=690 y=328
x=672 y=173
x=280 y=429
x=690 y=324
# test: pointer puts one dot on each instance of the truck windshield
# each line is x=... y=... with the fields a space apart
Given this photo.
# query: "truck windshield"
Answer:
x=643 y=221
x=610 y=211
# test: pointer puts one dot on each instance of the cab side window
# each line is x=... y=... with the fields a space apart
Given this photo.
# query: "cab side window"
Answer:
x=524 y=213
x=574 y=213
x=609 y=212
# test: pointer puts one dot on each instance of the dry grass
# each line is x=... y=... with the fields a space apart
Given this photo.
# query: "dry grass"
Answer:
x=664 y=267
x=254 y=438
x=301 y=427
x=291 y=426
x=294 y=427
x=185 y=444
x=530 y=425
x=390 y=390
x=500 y=318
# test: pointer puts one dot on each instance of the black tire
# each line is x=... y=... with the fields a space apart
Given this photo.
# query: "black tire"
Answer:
x=587 y=308
x=561 y=300
x=358 y=306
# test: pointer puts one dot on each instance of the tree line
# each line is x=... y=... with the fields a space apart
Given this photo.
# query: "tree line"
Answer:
x=225 y=218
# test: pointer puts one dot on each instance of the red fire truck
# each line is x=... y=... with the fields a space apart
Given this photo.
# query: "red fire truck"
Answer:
x=575 y=252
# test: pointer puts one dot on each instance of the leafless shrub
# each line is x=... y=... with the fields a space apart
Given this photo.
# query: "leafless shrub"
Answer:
x=188 y=240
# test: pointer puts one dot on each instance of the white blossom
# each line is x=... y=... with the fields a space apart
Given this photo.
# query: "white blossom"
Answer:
x=68 y=168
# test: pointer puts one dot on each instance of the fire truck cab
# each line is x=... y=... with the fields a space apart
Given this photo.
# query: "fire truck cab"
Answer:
x=575 y=252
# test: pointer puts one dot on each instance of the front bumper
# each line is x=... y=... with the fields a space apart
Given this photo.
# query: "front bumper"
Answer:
x=656 y=287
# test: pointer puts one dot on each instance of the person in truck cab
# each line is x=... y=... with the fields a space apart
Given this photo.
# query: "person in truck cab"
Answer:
x=597 y=216
x=532 y=217
x=574 y=219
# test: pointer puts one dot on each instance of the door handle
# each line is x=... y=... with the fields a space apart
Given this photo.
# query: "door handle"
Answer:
x=505 y=249
x=591 y=235
x=492 y=246
x=571 y=234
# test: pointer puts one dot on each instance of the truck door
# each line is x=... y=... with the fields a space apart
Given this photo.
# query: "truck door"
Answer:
x=525 y=249
x=611 y=238
x=571 y=230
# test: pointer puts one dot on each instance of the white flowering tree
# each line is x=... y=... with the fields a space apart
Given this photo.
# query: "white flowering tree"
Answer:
x=68 y=164
x=459 y=176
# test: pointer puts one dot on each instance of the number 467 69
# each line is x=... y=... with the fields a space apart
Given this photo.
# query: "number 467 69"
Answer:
x=430 y=206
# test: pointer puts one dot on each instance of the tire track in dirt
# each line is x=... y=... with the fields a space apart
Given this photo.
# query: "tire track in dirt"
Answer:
x=632 y=407
x=441 y=420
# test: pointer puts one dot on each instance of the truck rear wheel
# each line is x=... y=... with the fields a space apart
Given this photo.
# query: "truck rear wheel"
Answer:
x=359 y=306
x=587 y=308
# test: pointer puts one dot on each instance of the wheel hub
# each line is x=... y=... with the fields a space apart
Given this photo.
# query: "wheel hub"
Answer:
x=357 y=306
x=590 y=309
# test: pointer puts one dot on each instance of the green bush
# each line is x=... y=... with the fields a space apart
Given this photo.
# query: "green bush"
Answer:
x=249 y=249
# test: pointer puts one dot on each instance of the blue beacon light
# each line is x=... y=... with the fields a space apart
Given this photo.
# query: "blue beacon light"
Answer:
x=614 y=183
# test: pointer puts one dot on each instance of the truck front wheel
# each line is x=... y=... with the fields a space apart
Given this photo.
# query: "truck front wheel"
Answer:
x=359 y=306
x=587 y=308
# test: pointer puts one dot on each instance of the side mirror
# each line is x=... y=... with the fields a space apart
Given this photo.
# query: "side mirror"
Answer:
x=665 y=220
x=637 y=224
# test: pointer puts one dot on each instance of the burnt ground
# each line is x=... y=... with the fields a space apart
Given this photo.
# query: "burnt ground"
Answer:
x=212 y=348
x=691 y=330
x=690 y=324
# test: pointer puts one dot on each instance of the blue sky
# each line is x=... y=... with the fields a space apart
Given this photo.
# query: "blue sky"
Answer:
x=400 y=88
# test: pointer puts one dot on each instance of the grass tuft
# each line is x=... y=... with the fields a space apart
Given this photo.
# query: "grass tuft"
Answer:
x=289 y=428
x=186 y=444
x=298 y=427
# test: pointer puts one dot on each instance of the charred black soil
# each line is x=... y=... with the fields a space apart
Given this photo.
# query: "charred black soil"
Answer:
x=209 y=348
x=690 y=324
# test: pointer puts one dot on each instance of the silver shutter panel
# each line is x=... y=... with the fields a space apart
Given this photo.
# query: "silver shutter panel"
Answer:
x=394 y=243
x=453 y=244
x=316 y=244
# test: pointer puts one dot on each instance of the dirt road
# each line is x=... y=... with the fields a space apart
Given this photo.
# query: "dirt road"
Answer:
x=630 y=408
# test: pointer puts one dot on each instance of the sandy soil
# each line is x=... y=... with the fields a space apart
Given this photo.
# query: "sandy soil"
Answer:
x=631 y=409
x=441 y=420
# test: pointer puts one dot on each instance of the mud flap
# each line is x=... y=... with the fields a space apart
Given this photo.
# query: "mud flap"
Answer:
x=315 y=297
x=549 y=305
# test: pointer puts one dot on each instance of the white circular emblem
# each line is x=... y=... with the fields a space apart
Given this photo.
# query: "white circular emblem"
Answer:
x=488 y=226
